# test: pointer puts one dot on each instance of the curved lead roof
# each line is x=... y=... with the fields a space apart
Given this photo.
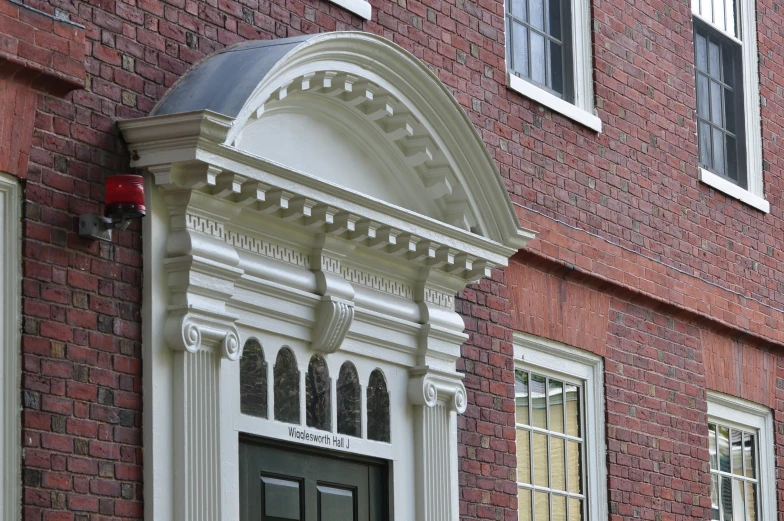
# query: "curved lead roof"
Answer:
x=223 y=82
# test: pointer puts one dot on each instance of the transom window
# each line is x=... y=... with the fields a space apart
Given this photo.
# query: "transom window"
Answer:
x=254 y=375
x=550 y=448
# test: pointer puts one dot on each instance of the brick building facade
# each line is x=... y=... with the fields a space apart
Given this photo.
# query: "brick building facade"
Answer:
x=674 y=284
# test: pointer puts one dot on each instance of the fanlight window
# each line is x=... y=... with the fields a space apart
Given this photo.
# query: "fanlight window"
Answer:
x=349 y=401
x=286 y=387
x=318 y=409
x=318 y=394
x=253 y=380
x=378 y=407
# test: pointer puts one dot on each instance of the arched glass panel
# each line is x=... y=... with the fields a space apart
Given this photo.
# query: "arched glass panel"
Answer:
x=378 y=407
x=286 y=387
x=318 y=409
x=253 y=380
x=349 y=401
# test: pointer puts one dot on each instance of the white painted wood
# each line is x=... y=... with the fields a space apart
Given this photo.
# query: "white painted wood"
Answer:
x=732 y=411
x=529 y=90
x=733 y=190
x=559 y=359
x=358 y=7
x=10 y=324
x=238 y=245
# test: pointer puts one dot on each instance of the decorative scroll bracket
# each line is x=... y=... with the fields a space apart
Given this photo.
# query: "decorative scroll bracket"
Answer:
x=427 y=386
x=335 y=312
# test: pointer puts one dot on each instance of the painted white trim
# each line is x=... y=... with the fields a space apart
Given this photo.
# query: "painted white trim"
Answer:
x=582 y=111
x=733 y=190
x=358 y=7
x=555 y=357
x=541 y=96
x=741 y=413
x=10 y=379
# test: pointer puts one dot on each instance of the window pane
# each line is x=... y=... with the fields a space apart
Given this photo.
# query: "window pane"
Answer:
x=726 y=498
x=554 y=28
x=523 y=504
x=253 y=380
x=349 y=394
x=732 y=158
x=538 y=70
x=378 y=408
x=715 y=102
x=730 y=10
x=728 y=76
x=738 y=502
x=713 y=59
x=718 y=14
x=729 y=110
x=715 y=513
x=736 y=451
x=518 y=9
x=542 y=506
x=520 y=43
x=712 y=445
x=705 y=144
x=556 y=67
x=706 y=9
x=749 y=456
x=701 y=52
x=575 y=509
x=318 y=409
x=537 y=13
x=541 y=465
x=573 y=410
x=559 y=508
x=724 y=448
x=523 y=456
x=718 y=151
x=575 y=456
x=556 y=406
x=286 y=387
x=751 y=501
x=538 y=403
x=703 y=97
x=558 y=471
x=521 y=397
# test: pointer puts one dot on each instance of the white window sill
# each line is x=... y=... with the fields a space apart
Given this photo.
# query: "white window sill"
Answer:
x=734 y=191
x=541 y=96
x=358 y=7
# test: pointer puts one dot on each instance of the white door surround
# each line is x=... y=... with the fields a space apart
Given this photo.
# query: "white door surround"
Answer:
x=336 y=208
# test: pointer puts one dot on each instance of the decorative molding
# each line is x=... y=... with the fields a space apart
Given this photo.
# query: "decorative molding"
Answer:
x=10 y=355
x=205 y=226
x=268 y=249
x=377 y=282
x=333 y=320
x=428 y=387
x=440 y=298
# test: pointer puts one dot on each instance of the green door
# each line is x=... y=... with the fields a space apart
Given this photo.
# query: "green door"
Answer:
x=284 y=484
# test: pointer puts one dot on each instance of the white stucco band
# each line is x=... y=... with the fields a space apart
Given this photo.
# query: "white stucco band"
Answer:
x=336 y=208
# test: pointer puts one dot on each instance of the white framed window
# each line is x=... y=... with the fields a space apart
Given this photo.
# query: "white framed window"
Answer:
x=559 y=416
x=727 y=86
x=742 y=464
x=10 y=289
x=548 y=56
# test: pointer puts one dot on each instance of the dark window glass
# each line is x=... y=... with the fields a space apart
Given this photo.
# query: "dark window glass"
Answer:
x=286 y=386
x=318 y=409
x=349 y=394
x=253 y=380
x=378 y=408
x=719 y=103
x=539 y=43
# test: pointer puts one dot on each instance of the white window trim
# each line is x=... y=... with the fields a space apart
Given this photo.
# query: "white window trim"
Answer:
x=582 y=110
x=740 y=413
x=553 y=357
x=358 y=7
x=754 y=195
x=10 y=280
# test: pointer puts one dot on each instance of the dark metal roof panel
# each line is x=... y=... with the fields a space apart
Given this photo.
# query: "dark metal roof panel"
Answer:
x=223 y=82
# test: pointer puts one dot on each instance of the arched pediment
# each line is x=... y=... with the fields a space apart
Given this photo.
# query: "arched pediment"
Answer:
x=359 y=112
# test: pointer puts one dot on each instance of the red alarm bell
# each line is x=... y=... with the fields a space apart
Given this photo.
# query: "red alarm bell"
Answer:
x=124 y=197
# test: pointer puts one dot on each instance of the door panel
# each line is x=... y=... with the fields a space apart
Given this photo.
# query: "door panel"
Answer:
x=282 y=484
